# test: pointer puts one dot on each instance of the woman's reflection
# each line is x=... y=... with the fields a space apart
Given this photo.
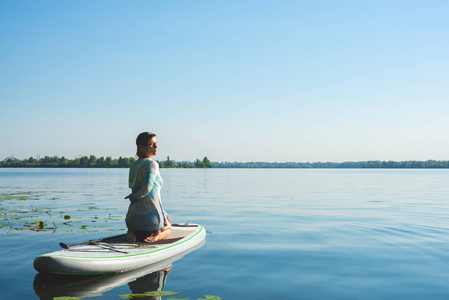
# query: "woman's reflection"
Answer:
x=151 y=282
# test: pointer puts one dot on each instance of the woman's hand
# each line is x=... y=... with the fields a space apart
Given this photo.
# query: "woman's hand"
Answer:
x=132 y=200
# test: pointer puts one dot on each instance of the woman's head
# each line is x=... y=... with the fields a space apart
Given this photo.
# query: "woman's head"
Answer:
x=146 y=145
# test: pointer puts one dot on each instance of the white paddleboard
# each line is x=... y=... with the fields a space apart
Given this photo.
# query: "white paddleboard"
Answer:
x=49 y=286
x=116 y=255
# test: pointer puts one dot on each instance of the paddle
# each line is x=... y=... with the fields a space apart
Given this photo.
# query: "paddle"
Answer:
x=91 y=242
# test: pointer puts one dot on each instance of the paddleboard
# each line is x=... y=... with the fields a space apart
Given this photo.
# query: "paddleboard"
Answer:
x=114 y=255
x=49 y=286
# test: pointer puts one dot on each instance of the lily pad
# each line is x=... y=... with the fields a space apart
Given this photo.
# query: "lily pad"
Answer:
x=66 y=217
x=160 y=293
x=179 y=298
x=211 y=297
x=132 y=296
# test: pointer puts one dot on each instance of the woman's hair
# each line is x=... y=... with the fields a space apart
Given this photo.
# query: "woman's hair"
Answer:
x=142 y=140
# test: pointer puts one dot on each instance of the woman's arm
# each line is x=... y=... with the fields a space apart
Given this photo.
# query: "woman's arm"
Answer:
x=147 y=184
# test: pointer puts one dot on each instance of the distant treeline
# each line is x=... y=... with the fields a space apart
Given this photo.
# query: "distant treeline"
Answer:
x=429 y=164
x=205 y=163
x=93 y=162
x=124 y=162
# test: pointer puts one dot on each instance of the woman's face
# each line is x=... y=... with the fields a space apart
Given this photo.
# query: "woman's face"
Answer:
x=150 y=149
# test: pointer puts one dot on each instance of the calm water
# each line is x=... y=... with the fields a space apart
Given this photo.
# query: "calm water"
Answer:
x=272 y=233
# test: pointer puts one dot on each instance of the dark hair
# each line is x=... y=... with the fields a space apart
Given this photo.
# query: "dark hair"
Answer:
x=142 y=140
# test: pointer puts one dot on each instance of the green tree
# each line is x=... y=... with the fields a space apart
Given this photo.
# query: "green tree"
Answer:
x=92 y=161
x=46 y=161
x=206 y=163
x=75 y=163
x=108 y=162
x=198 y=163
x=184 y=165
x=169 y=163
x=31 y=162
x=124 y=162
x=55 y=161
x=84 y=161
x=100 y=162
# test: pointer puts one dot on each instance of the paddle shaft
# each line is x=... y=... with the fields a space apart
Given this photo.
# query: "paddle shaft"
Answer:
x=67 y=246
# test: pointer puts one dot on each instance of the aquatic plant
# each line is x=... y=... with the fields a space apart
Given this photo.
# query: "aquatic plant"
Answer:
x=132 y=296
x=210 y=297
x=147 y=294
x=41 y=218
x=166 y=293
x=160 y=293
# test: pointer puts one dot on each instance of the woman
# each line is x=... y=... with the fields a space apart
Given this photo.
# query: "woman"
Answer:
x=146 y=220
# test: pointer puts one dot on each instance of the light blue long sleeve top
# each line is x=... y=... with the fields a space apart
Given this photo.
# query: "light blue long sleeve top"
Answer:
x=145 y=213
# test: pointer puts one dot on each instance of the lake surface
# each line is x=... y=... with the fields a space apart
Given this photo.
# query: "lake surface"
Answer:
x=272 y=233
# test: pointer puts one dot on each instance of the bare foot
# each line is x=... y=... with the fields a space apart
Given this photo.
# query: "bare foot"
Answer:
x=156 y=236
x=159 y=234
x=131 y=236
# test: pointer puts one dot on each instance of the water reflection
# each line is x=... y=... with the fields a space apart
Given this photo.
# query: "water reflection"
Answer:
x=145 y=279
x=151 y=282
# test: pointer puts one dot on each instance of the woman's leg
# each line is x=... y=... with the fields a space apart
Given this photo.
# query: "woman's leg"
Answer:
x=131 y=236
x=160 y=234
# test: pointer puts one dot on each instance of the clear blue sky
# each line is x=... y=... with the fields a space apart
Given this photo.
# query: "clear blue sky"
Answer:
x=238 y=80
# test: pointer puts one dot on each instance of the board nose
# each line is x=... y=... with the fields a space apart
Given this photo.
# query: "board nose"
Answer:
x=41 y=264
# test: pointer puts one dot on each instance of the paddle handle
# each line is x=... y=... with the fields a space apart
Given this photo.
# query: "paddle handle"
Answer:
x=90 y=242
